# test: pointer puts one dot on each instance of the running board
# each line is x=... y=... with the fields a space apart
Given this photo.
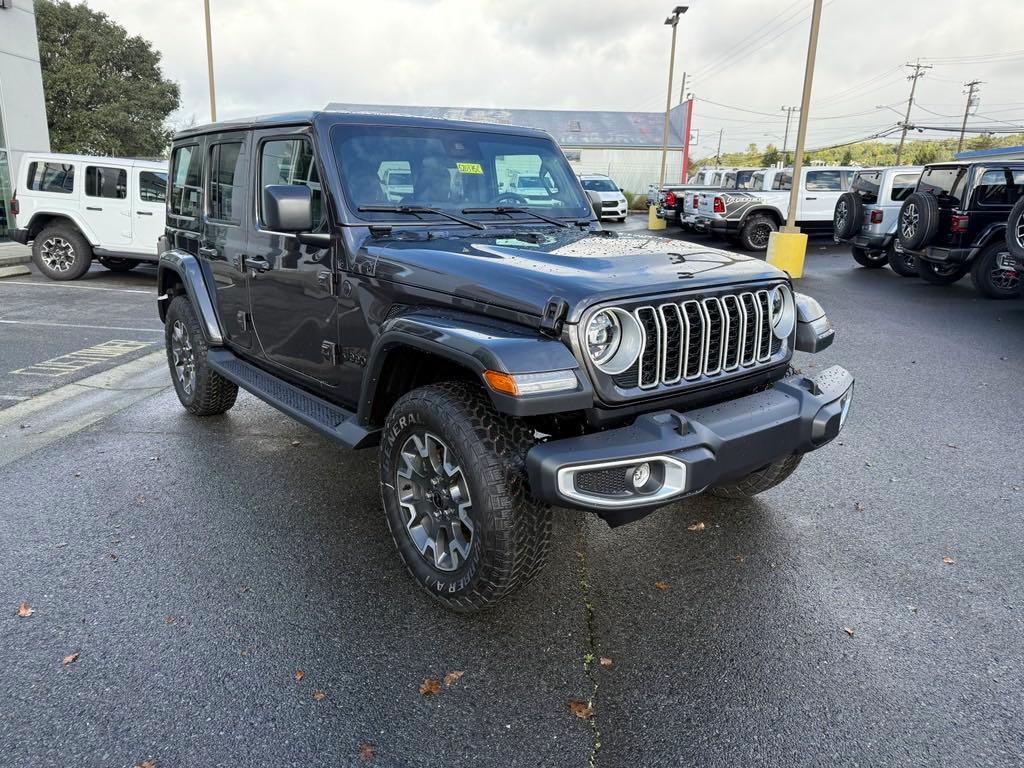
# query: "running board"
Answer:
x=327 y=418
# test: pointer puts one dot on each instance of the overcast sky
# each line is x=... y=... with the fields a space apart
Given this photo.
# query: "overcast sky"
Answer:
x=596 y=54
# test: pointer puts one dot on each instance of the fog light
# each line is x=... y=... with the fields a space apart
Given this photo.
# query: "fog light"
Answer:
x=641 y=475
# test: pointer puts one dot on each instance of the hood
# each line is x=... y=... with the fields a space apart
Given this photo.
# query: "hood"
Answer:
x=581 y=267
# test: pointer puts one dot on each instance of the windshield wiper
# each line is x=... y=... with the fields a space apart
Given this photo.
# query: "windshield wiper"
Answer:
x=416 y=210
x=513 y=209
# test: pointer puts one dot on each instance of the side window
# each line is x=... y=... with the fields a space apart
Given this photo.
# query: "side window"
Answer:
x=824 y=181
x=902 y=186
x=51 y=177
x=106 y=182
x=992 y=188
x=186 y=182
x=152 y=187
x=290 y=161
x=226 y=180
x=782 y=181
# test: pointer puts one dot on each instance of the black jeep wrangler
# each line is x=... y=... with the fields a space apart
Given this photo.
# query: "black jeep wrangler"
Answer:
x=505 y=353
x=955 y=223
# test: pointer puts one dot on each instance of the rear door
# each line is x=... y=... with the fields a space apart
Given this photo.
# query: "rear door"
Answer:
x=106 y=208
x=149 y=205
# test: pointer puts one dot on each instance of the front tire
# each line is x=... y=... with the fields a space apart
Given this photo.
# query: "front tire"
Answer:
x=993 y=274
x=453 y=485
x=759 y=480
x=202 y=391
x=756 y=232
x=941 y=274
x=869 y=259
x=61 y=253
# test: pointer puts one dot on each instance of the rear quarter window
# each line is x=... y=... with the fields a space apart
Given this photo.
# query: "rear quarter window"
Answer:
x=866 y=186
x=999 y=187
x=51 y=177
x=903 y=185
x=945 y=183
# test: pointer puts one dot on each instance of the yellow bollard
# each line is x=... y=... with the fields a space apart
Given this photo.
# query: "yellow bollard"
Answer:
x=653 y=222
x=787 y=250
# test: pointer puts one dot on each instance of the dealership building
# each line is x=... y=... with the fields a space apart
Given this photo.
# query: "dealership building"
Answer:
x=22 y=107
x=624 y=145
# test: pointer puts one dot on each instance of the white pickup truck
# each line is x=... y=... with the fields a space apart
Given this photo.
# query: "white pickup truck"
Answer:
x=673 y=198
x=749 y=217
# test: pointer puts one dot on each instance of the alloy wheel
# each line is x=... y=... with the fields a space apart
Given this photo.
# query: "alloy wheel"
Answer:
x=183 y=356
x=760 y=235
x=57 y=254
x=1019 y=232
x=909 y=221
x=841 y=213
x=434 y=494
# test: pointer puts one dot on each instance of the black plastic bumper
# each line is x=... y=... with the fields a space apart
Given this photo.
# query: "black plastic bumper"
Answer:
x=20 y=236
x=713 y=445
x=945 y=255
x=722 y=226
x=868 y=242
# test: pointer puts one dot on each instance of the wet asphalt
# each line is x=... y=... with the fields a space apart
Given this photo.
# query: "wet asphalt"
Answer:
x=196 y=565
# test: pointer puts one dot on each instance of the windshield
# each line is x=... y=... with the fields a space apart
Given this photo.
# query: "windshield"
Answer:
x=453 y=169
x=600 y=185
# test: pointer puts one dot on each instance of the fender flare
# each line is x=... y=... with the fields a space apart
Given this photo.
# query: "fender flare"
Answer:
x=762 y=208
x=993 y=232
x=186 y=268
x=70 y=217
x=478 y=345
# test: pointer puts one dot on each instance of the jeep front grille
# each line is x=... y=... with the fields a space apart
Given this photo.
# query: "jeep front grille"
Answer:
x=702 y=338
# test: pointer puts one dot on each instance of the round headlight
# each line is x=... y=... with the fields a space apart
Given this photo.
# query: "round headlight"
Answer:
x=613 y=340
x=783 y=310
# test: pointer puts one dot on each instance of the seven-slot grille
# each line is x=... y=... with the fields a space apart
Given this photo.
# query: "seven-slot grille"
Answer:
x=699 y=338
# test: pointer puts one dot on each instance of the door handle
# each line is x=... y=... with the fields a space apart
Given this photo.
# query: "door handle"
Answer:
x=92 y=208
x=810 y=198
x=143 y=213
x=209 y=253
x=257 y=264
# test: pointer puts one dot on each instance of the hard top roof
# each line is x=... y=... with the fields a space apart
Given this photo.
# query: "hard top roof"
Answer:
x=66 y=157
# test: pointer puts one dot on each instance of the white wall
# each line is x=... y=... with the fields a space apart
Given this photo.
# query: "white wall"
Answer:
x=631 y=169
x=22 y=107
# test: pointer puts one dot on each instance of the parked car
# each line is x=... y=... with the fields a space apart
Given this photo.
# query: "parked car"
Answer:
x=1015 y=234
x=865 y=217
x=759 y=181
x=613 y=202
x=673 y=197
x=749 y=218
x=955 y=223
x=72 y=208
x=505 y=357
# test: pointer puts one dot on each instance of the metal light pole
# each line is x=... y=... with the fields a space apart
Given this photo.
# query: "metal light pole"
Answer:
x=209 y=63
x=801 y=131
x=672 y=21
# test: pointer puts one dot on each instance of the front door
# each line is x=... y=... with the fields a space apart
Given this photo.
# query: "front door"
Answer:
x=818 y=197
x=149 y=203
x=294 y=308
x=106 y=208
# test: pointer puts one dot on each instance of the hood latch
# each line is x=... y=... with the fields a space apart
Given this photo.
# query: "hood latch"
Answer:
x=554 y=317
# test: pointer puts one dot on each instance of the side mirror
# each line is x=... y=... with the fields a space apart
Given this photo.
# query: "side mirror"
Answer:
x=288 y=208
x=595 y=201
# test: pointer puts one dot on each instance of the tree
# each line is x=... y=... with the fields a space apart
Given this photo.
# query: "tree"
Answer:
x=105 y=93
x=771 y=156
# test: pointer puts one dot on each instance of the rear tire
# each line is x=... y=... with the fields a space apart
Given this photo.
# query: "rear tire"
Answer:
x=918 y=220
x=903 y=264
x=61 y=253
x=941 y=274
x=759 y=480
x=991 y=277
x=202 y=391
x=117 y=264
x=869 y=259
x=473 y=566
x=848 y=215
x=1015 y=230
x=756 y=231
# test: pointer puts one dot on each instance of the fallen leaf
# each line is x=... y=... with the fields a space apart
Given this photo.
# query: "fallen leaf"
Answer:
x=113 y=557
x=146 y=764
x=948 y=560
x=319 y=695
x=295 y=443
x=452 y=677
x=243 y=652
x=581 y=709
x=71 y=659
x=430 y=686
x=140 y=499
x=24 y=611
x=78 y=474
x=695 y=527
x=605 y=661
x=848 y=631
x=169 y=619
x=661 y=585
x=299 y=674
x=739 y=558
x=951 y=445
x=858 y=507
x=366 y=751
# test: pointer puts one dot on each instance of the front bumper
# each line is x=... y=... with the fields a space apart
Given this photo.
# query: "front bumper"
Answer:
x=618 y=211
x=686 y=453
x=20 y=236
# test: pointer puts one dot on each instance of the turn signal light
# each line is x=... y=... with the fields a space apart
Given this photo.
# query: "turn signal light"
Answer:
x=958 y=223
x=876 y=217
x=696 y=201
x=719 y=205
x=670 y=199
x=518 y=384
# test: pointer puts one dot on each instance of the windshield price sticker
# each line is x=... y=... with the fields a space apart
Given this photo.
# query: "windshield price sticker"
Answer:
x=470 y=168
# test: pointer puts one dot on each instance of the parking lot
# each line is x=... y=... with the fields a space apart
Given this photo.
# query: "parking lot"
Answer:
x=231 y=595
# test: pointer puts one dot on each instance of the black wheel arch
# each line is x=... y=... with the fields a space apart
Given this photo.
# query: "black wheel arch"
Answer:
x=178 y=272
x=764 y=210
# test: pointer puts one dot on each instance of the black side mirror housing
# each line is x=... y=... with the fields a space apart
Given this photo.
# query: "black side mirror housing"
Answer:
x=288 y=208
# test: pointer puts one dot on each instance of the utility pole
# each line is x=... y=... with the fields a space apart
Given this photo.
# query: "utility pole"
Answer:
x=801 y=129
x=672 y=21
x=972 y=87
x=718 y=153
x=209 y=63
x=785 y=139
x=910 y=102
x=682 y=89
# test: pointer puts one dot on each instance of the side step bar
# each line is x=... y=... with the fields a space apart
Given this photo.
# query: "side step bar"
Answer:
x=327 y=418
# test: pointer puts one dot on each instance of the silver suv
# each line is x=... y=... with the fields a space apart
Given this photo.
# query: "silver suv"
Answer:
x=866 y=217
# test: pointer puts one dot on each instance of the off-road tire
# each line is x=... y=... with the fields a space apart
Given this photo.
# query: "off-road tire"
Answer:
x=1015 y=230
x=848 y=215
x=918 y=220
x=869 y=259
x=512 y=531
x=211 y=394
x=903 y=264
x=117 y=264
x=759 y=480
x=756 y=231
x=941 y=274
x=992 y=281
x=68 y=240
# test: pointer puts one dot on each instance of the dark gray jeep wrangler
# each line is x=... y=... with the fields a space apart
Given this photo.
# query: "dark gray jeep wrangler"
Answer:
x=385 y=281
